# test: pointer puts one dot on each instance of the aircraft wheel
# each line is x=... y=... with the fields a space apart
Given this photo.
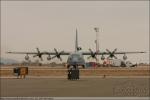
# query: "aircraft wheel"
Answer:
x=83 y=66
x=68 y=66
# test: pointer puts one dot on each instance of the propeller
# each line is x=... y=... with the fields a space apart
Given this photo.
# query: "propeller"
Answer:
x=39 y=54
x=57 y=54
x=111 y=54
x=93 y=54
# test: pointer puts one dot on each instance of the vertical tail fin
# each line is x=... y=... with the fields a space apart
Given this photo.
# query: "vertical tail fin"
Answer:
x=76 y=41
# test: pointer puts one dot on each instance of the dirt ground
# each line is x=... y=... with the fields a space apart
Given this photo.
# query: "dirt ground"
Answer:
x=61 y=71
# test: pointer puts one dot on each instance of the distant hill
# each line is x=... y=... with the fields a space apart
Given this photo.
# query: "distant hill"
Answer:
x=8 y=61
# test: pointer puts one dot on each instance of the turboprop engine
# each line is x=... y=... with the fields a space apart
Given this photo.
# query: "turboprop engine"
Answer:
x=26 y=57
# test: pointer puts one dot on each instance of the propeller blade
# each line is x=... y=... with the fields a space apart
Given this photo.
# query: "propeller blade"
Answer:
x=115 y=57
x=93 y=54
x=38 y=50
x=111 y=54
x=90 y=50
x=95 y=58
x=56 y=50
x=108 y=57
x=108 y=51
x=89 y=57
x=114 y=50
x=57 y=54
x=54 y=57
x=34 y=55
x=60 y=58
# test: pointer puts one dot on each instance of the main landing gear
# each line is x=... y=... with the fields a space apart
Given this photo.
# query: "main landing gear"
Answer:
x=73 y=73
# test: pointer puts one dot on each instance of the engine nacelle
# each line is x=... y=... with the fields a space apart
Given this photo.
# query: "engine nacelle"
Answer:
x=124 y=57
x=102 y=58
x=26 y=57
x=49 y=57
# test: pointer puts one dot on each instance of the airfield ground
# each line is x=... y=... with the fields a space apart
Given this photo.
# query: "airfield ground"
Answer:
x=61 y=87
x=46 y=81
x=44 y=71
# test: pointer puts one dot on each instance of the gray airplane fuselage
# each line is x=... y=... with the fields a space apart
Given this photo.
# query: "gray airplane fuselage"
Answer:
x=76 y=59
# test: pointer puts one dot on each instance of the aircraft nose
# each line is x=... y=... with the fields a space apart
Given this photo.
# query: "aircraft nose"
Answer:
x=75 y=59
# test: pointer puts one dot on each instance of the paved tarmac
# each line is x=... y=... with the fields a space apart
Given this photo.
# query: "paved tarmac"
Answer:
x=85 y=87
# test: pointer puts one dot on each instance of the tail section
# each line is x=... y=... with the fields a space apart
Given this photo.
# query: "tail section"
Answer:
x=76 y=41
x=77 y=48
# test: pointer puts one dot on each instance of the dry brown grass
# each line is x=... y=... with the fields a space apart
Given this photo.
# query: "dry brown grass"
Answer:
x=61 y=71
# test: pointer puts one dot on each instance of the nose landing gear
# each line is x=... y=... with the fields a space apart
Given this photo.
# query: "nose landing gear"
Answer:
x=73 y=73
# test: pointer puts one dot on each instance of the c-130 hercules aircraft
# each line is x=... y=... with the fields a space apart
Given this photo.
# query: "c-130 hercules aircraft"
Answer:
x=75 y=58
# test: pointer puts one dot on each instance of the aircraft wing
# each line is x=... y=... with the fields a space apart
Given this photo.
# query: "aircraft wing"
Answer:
x=67 y=53
x=54 y=53
x=39 y=54
x=22 y=52
x=129 y=52
x=107 y=53
x=43 y=53
x=100 y=53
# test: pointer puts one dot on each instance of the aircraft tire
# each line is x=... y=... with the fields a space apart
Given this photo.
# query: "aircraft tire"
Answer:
x=83 y=66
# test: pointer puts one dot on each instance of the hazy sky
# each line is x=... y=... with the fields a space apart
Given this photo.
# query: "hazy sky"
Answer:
x=26 y=25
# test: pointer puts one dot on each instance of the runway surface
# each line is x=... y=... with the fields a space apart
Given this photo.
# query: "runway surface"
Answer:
x=85 y=87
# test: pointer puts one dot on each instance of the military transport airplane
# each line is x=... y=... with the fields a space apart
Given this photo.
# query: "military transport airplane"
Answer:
x=75 y=58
